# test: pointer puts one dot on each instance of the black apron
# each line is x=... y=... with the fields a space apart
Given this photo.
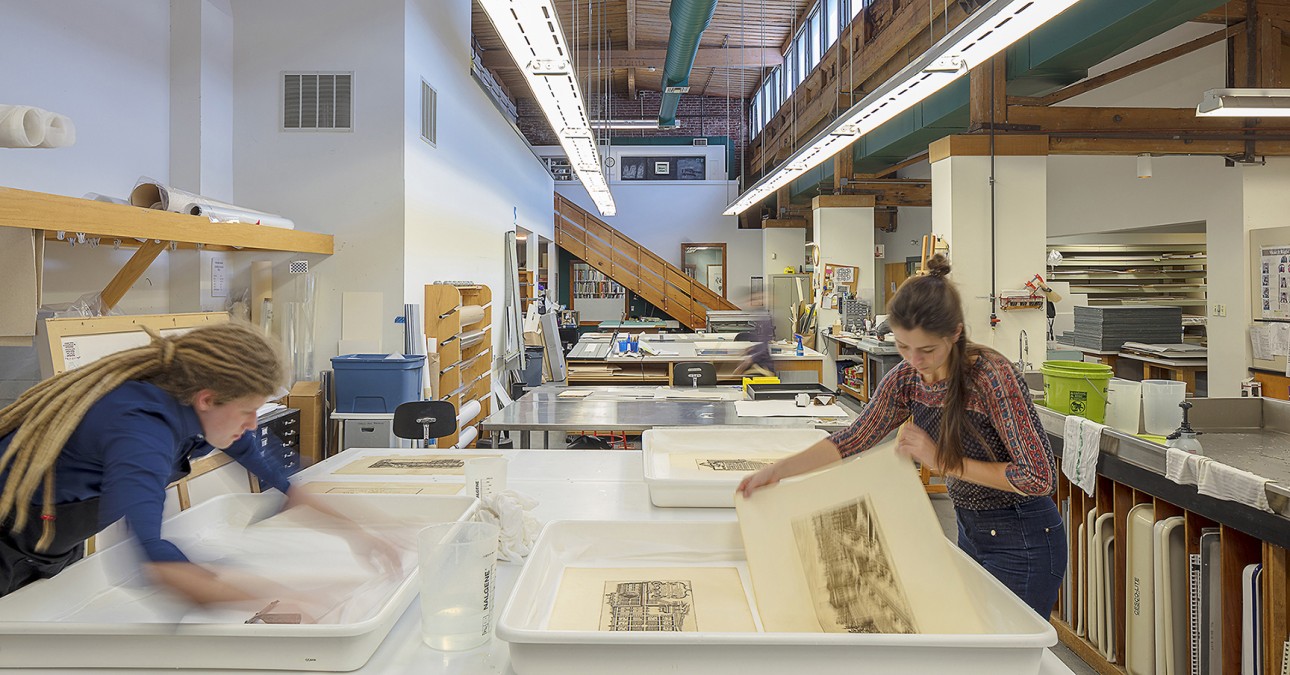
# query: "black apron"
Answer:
x=20 y=564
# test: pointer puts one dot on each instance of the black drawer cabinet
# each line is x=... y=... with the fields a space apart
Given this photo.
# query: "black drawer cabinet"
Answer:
x=279 y=434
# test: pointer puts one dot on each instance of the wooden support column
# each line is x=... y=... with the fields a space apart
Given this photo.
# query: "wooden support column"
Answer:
x=783 y=200
x=631 y=46
x=844 y=164
x=989 y=94
x=130 y=273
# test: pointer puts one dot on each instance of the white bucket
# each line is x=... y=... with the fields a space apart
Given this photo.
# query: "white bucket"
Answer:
x=1124 y=405
x=1160 y=411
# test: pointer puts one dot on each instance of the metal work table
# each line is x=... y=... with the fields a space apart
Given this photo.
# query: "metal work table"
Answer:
x=630 y=409
x=593 y=355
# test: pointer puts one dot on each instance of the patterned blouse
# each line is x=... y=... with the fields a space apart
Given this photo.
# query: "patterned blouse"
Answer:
x=1000 y=408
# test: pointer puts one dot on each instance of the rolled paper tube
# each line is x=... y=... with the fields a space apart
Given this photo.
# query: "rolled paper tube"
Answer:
x=59 y=131
x=233 y=214
x=148 y=194
x=472 y=338
x=467 y=436
x=94 y=196
x=468 y=412
x=21 y=126
x=471 y=314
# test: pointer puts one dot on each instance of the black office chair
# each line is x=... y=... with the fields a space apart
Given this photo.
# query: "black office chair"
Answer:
x=694 y=374
x=425 y=420
x=745 y=336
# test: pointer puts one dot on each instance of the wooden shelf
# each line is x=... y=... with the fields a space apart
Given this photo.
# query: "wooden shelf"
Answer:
x=73 y=216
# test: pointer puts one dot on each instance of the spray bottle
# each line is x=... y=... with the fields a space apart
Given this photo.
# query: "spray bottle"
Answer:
x=1184 y=438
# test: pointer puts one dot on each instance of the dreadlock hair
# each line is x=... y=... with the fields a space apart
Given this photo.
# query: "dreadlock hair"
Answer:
x=932 y=304
x=234 y=360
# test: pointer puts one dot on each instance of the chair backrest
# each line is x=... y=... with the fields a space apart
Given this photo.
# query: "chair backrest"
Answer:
x=694 y=374
x=425 y=420
x=746 y=336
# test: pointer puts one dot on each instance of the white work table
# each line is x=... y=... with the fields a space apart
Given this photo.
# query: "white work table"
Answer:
x=569 y=485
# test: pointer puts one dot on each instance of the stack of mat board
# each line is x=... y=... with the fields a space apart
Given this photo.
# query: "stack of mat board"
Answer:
x=1108 y=328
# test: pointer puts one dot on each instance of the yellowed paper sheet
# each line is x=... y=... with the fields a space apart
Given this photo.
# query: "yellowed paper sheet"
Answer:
x=334 y=488
x=409 y=465
x=660 y=599
x=853 y=549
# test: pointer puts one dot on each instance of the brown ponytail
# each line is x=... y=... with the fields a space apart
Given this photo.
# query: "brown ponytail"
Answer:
x=932 y=304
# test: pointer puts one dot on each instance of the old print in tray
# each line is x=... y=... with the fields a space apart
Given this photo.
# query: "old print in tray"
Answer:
x=661 y=599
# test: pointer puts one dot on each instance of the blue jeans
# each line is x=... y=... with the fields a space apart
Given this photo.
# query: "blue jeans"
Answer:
x=1023 y=546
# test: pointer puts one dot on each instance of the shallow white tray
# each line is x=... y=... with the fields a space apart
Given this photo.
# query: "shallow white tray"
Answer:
x=673 y=485
x=33 y=636
x=1016 y=643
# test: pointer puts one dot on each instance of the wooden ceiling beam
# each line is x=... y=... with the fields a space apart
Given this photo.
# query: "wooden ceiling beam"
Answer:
x=894 y=192
x=921 y=157
x=1163 y=146
x=631 y=46
x=1111 y=120
x=707 y=57
x=988 y=94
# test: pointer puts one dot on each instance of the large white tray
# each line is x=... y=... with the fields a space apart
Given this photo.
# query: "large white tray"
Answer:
x=1015 y=646
x=673 y=485
x=34 y=632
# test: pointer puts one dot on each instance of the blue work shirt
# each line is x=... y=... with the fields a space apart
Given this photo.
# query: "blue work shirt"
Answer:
x=130 y=445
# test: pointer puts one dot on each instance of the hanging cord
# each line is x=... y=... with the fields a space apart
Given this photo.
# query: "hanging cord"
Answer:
x=994 y=295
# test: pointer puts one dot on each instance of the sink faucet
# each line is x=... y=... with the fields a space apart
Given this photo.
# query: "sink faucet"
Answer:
x=1023 y=352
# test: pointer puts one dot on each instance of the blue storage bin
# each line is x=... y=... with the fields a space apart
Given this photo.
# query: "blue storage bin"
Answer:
x=376 y=383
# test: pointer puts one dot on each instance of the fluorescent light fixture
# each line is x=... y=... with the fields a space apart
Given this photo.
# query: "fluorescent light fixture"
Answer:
x=531 y=31
x=1245 y=103
x=985 y=33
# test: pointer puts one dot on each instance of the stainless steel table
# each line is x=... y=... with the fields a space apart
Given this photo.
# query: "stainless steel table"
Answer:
x=630 y=409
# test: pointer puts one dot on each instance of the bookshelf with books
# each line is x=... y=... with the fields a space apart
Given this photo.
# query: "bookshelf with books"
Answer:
x=596 y=297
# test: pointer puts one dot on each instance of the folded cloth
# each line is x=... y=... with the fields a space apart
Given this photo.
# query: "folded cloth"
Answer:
x=1226 y=482
x=1183 y=467
x=518 y=528
x=1081 y=442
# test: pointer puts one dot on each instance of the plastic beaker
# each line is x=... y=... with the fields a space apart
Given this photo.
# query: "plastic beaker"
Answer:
x=1124 y=405
x=458 y=565
x=1160 y=412
x=485 y=476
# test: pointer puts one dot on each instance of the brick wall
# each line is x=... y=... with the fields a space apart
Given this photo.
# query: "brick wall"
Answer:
x=698 y=115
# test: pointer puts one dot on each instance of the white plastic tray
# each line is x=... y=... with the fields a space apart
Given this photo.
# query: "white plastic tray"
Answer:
x=671 y=484
x=35 y=631
x=1016 y=645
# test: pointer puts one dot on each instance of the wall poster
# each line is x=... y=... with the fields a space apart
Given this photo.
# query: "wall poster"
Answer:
x=1274 y=281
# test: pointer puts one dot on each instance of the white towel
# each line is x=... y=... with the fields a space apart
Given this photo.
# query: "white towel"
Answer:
x=512 y=512
x=1183 y=467
x=1082 y=442
x=1225 y=482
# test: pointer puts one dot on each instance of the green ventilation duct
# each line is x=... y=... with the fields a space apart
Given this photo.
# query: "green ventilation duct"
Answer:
x=689 y=19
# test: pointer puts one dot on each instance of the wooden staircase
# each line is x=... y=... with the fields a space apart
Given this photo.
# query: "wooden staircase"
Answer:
x=635 y=267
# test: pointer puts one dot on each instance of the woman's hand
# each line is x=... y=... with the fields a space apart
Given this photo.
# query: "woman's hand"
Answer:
x=763 y=478
x=372 y=548
x=914 y=443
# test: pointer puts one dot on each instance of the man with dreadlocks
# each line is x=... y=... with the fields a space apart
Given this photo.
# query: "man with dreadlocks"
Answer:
x=100 y=443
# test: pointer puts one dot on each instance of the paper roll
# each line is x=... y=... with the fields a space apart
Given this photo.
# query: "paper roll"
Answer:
x=59 y=131
x=471 y=314
x=472 y=338
x=231 y=214
x=21 y=126
x=468 y=412
x=467 y=436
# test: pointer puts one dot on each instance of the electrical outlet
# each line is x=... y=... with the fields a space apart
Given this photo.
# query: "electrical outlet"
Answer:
x=1220 y=310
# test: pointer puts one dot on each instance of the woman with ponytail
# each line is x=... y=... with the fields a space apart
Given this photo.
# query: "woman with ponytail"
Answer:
x=970 y=418
x=99 y=443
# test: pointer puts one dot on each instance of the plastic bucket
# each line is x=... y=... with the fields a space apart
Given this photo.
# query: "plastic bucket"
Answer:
x=1076 y=388
x=1160 y=411
x=1124 y=405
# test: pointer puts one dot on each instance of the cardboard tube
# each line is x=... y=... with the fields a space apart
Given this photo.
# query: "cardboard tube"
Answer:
x=471 y=314
x=472 y=338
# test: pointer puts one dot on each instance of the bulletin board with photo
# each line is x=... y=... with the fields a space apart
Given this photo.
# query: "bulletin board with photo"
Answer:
x=1270 y=297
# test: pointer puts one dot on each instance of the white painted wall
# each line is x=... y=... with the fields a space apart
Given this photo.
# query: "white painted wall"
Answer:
x=961 y=213
x=661 y=217
x=845 y=237
x=1102 y=194
x=782 y=247
x=478 y=182
x=348 y=184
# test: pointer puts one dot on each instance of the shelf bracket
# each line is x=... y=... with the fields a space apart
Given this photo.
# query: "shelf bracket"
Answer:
x=130 y=272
